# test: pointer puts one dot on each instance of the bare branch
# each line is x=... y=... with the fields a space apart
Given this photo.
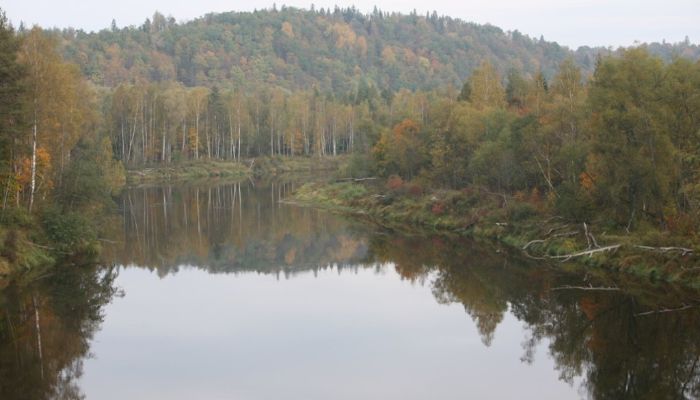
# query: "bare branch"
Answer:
x=603 y=288
x=532 y=242
x=683 y=250
x=589 y=253
x=666 y=310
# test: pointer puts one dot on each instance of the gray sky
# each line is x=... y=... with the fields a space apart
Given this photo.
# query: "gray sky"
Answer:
x=569 y=22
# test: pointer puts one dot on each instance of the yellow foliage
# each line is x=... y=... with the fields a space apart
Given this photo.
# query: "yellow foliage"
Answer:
x=345 y=36
x=388 y=55
x=287 y=29
x=362 y=45
x=43 y=169
x=192 y=139
x=587 y=181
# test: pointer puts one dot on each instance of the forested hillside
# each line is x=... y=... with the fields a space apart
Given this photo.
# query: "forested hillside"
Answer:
x=294 y=49
x=328 y=50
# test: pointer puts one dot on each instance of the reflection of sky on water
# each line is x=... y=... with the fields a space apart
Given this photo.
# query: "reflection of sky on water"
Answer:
x=353 y=334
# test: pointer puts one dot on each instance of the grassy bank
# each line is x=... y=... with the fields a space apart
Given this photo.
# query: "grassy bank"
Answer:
x=188 y=170
x=31 y=245
x=276 y=166
x=520 y=223
x=257 y=167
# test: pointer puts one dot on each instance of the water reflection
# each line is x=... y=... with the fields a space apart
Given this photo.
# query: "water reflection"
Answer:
x=228 y=228
x=46 y=330
x=624 y=344
x=627 y=344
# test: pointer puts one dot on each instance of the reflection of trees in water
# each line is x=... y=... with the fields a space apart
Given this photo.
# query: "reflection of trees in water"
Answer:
x=593 y=335
x=599 y=336
x=45 y=329
x=228 y=228
x=45 y=332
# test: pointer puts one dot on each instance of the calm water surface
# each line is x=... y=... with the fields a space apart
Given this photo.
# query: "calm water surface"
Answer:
x=222 y=291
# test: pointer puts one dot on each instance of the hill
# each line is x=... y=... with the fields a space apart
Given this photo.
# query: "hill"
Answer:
x=329 y=50
x=294 y=48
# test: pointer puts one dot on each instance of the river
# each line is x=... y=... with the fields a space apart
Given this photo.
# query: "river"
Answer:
x=225 y=291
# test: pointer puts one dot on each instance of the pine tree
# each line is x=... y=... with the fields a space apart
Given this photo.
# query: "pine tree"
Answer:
x=11 y=92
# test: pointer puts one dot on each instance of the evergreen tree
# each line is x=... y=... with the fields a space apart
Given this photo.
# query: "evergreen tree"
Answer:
x=11 y=92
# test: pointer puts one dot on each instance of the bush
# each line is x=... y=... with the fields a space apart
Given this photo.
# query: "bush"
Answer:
x=574 y=203
x=69 y=233
x=415 y=190
x=16 y=217
x=351 y=192
x=438 y=208
x=359 y=166
x=394 y=183
x=521 y=211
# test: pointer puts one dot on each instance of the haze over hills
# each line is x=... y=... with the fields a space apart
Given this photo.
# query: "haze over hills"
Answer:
x=329 y=50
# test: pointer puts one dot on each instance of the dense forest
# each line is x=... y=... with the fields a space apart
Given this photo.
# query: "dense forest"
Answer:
x=589 y=134
x=623 y=145
x=57 y=172
x=333 y=51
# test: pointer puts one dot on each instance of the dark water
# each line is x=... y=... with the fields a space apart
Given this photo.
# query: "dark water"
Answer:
x=221 y=291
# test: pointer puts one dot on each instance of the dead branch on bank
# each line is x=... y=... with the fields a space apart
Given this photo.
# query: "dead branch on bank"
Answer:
x=603 y=288
x=666 y=310
x=567 y=257
x=683 y=250
x=371 y=178
x=531 y=242
x=589 y=237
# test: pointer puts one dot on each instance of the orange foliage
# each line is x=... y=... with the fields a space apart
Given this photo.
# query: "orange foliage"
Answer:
x=43 y=165
x=589 y=307
x=587 y=180
x=394 y=182
x=407 y=127
x=438 y=208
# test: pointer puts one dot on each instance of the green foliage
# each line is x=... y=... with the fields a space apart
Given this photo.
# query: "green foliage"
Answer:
x=92 y=177
x=466 y=93
x=632 y=156
x=16 y=217
x=359 y=166
x=350 y=192
x=296 y=48
x=12 y=89
x=69 y=232
x=574 y=203
x=521 y=211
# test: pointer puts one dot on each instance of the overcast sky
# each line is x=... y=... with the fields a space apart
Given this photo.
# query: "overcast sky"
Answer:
x=569 y=22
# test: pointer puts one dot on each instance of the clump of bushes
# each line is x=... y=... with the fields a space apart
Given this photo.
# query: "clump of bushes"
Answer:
x=350 y=192
x=69 y=233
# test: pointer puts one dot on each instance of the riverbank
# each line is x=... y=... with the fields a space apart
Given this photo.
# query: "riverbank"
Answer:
x=254 y=167
x=19 y=255
x=188 y=170
x=520 y=223
x=31 y=245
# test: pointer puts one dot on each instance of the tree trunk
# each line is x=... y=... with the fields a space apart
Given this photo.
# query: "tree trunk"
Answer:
x=33 y=172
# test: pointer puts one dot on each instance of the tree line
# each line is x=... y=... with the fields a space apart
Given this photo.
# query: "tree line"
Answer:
x=169 y=122
x=622 y=140
x=622 y=144
x=55 y=159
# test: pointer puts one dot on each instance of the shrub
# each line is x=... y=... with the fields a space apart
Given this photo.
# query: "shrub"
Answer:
x=68 y=232
x=394 y=183
x=352 y=192
x=415 y=190
x=521 y=211
x=16 y=216
x=438 y=208
x=359 y=166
